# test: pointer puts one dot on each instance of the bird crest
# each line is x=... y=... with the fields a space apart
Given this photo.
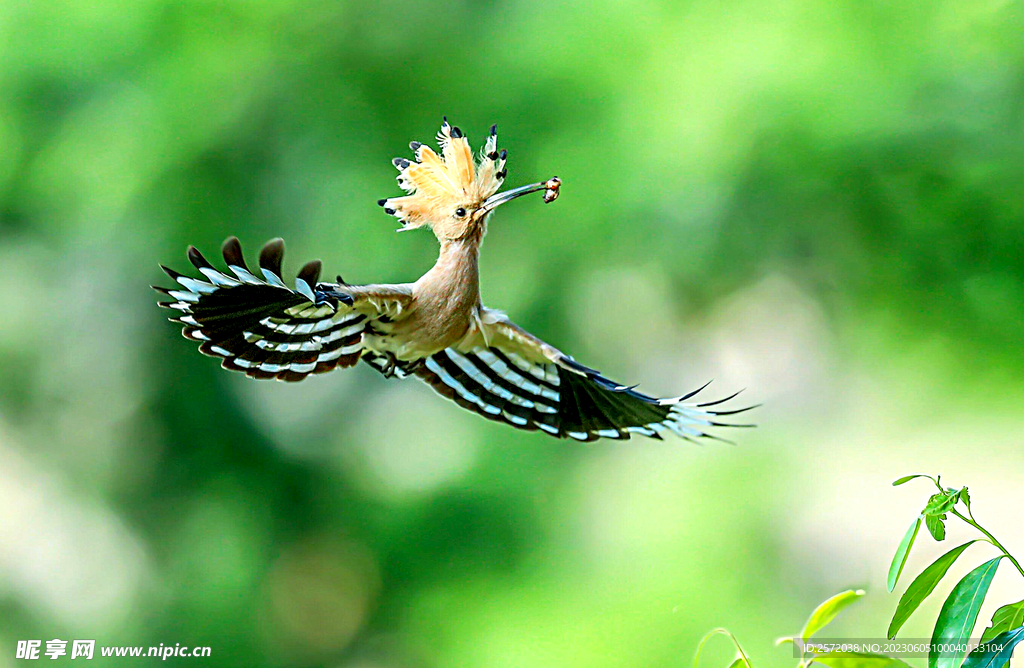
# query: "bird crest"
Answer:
x=447 y=191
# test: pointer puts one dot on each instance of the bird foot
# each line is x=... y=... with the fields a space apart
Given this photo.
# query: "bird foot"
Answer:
x=389 y=367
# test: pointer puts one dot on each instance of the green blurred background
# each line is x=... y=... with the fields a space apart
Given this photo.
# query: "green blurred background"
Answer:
x=819 y=201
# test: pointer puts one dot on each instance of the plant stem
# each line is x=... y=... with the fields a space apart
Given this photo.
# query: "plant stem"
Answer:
x=720 y=631
x=991 y=538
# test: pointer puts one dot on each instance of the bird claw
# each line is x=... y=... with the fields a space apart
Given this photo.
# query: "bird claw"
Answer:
x=389 y=368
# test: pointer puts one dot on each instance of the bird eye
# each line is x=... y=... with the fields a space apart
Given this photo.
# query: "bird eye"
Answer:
x=460 y=212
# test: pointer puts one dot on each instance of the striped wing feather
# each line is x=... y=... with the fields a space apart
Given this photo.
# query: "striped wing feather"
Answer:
x=561 y=397
x=260 y=326
x=265 y=329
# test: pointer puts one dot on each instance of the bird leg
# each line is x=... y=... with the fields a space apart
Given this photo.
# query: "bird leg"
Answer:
x=389 y=367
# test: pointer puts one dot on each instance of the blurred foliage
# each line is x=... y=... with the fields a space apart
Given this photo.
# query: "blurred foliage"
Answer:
x=815 y=199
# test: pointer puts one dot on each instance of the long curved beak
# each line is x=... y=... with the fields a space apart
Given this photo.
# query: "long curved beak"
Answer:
x=550 y=187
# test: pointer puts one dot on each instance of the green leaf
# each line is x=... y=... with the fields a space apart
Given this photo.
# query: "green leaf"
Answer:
x=828 y=610
x=857 y=660
x=998 y=651
x=908 y=478
x=923 y=585
x=936 y=526
x=966 y=498
x=899 y=559
x=736 y=643
x=941 y=503
x=1005 y=618
x=959 y=614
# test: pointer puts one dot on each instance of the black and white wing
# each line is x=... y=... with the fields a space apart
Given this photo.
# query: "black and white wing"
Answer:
x=264 y=328
x=515 y=378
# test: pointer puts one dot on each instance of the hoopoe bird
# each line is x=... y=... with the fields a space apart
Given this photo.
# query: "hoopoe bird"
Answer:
x=436 y=329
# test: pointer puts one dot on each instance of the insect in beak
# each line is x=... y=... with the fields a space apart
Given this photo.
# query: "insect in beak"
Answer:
x=550 y=188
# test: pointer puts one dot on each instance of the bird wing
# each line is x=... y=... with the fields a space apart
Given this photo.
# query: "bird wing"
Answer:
x=507 y=374
x=264 y=328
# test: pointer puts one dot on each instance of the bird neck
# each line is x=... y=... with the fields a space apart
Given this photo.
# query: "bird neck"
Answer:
x=456 y=274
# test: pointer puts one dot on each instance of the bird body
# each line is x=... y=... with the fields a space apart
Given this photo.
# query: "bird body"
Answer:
x=436 y=328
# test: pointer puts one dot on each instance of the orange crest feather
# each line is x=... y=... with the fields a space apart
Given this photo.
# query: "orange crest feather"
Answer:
x=441 y=185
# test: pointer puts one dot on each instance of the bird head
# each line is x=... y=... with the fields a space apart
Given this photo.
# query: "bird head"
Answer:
x=452 y=193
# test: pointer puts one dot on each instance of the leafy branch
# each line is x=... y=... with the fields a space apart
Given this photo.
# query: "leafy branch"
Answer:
x=934 y=514
x=959 y=613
